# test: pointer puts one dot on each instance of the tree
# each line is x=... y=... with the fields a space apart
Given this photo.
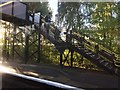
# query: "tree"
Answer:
x=99 y=20
x=38 y=7
x=70 y=15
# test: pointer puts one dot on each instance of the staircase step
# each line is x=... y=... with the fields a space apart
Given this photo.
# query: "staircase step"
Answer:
x=93 y=55
x=101 y=61
x=82 y=48
x=109 y=66
x=86 y=50
x=98 y=58
x=106 y=63
x=89 y=53
x=78 y=46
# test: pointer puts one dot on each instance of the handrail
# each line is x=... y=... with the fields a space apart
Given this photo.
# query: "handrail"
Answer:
x=100 y=46
x=116 y=60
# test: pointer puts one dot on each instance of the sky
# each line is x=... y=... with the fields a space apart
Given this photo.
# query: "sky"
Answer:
x=53 y=5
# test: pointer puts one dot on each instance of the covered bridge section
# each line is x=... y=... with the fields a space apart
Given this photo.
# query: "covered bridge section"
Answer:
x=14 y=12
x=19 y=33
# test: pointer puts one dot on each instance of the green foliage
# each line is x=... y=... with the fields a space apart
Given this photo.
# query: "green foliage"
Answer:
x=70 y=14
x=50 y=54
x=96 y=19
x=38 y=7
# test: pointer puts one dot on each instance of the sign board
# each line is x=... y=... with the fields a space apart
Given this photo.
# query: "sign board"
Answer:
x=37 y=18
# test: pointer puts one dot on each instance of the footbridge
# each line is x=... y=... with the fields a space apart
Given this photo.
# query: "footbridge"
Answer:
x=23 y=34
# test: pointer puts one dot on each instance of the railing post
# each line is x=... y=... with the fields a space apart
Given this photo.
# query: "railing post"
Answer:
x=61 y=57
x=97 y=49
x=72 y=58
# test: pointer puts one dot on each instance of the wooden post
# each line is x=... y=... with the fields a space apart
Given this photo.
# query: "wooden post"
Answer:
x=26 y=52
x=38 y=57
x=72 y=58
x=71 y=50
x=97 y=49
x=61 y=59
x=61 y=56
x=5 y=45
x=13 y=42
x=14 y=31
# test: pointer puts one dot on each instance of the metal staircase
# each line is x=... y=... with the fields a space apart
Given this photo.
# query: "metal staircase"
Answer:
x=101 y=58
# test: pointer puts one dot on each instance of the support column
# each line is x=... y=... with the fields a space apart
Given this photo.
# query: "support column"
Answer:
x=61 y=59
x=5 y=46
x=71 y=63
x=97 y=49
x=71 y=49
x=38 y=57
x=13 y=46
x=26 y=52
x=61 y=55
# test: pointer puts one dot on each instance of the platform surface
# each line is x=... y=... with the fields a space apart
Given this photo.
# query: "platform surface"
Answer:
x=71 y=76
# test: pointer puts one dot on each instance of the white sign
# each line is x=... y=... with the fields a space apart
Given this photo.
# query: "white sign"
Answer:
x=37 y=18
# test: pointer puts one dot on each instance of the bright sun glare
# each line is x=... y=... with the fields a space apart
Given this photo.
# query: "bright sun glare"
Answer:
x=1 y=32
x=1 y=35
x=6 y=69
x=53 y=5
